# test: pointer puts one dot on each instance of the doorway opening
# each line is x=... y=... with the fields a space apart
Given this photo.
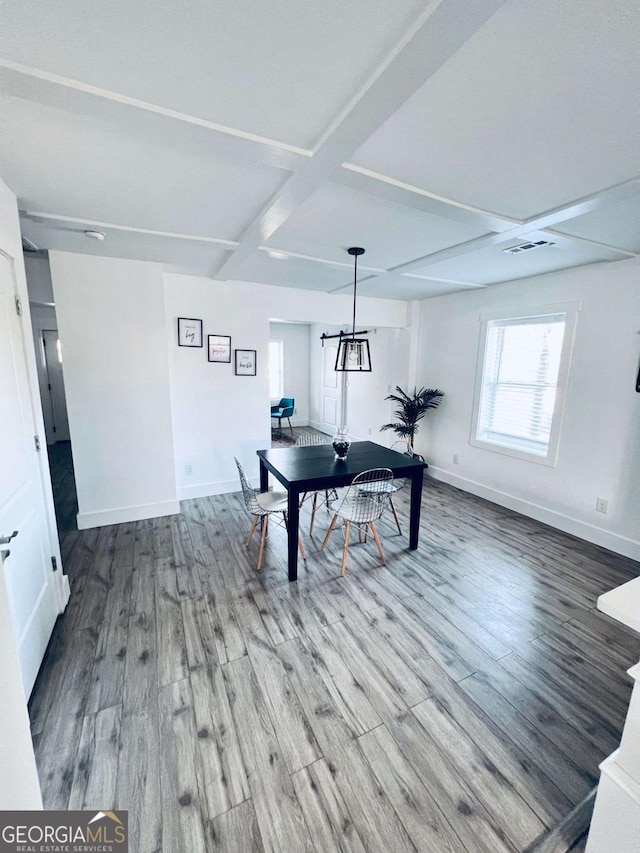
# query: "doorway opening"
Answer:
x=50 y=365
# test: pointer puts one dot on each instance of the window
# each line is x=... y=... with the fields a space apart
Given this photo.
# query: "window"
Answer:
x=521 y=382
x=276 y=369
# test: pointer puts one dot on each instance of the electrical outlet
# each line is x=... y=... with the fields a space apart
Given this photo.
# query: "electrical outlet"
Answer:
x=455 y=458
x=188 y=470
x=602 y=505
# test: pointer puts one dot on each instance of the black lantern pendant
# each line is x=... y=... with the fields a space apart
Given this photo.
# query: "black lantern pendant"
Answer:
x=353 y=352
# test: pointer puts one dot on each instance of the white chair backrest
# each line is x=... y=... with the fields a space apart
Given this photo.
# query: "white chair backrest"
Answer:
x=368 y=496
x=311 y=439
x=248 y=492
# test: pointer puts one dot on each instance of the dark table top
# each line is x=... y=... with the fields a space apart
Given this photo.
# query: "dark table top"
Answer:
x=315 y=466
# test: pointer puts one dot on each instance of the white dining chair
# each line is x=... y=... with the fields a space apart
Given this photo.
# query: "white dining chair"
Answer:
x=365 y=501
x=262 y=505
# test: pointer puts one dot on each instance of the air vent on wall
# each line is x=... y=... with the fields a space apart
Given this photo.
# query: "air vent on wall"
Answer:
x=526 y=247
x=28 y=246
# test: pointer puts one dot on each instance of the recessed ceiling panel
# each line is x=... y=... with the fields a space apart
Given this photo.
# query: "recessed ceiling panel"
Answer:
x=538 y=108
x=283 y=69
x=335 y=218
x=616 y=225
x=177 y=255
x=492 y=265
x=69 y=165
x=292 y=272
x=404 y=287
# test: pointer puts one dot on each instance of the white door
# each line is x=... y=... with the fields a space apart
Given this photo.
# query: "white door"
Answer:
x=331 y=390
x=59 y=426
x=26 y=559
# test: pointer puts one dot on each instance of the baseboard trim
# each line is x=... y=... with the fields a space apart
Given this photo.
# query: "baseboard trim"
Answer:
x=572 y=828
x=221 y=487
x=582 y=529
x=104 y=517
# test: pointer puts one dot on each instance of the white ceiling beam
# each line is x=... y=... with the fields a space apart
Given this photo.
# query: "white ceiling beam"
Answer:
x=45 y=218
x=437 y=35
x=542 y=221
x=417 y=198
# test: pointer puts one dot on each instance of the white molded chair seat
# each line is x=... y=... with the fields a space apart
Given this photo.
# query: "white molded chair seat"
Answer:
x=272 y=501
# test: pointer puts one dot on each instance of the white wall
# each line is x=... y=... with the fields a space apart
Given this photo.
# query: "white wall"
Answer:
x=112 y=326
x=217 y=415
x=295 y=338
x=599 y=453
x=367 y=408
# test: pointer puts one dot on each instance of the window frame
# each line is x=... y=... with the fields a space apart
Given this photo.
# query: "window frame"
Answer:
x=571 y=311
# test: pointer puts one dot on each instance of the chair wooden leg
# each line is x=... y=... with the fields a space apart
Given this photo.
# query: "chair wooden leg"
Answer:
x=251 y=532
x=395 y=515
x=377 y=538
x=314 y=504
x=345 y=549
x=265 y=525
x=303 y=499
x=290 y=427
x=329 y=531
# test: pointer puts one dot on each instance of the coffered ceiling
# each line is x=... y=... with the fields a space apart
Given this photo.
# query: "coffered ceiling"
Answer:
x=257 y=139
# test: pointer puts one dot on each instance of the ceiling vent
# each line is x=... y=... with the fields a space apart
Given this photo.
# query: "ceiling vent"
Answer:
x=526 y=247
x=28 y=246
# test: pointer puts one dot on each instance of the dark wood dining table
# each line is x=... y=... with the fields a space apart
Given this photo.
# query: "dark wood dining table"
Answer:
x=314 y=468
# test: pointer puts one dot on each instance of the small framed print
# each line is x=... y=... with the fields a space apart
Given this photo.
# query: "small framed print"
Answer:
x=189 y=332
x=245 y=362
x=219 y=347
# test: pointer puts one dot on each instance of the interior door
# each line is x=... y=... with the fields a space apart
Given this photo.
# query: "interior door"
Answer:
x=25 y=559
x=331 y=390
x=55 y=381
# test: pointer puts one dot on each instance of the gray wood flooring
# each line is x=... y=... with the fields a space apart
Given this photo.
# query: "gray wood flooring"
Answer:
x=458 y=699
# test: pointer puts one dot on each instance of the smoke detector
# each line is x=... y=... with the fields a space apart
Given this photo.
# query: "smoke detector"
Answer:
x=526 y=247
x=95 y=235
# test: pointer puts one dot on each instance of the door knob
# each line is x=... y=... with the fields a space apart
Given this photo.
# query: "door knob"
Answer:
x=4 y=540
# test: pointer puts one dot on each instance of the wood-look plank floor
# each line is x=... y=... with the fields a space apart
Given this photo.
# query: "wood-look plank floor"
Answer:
x=458 y=699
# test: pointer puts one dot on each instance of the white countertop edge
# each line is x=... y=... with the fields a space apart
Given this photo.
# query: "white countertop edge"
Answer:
x=623 y=604
x=612 y=769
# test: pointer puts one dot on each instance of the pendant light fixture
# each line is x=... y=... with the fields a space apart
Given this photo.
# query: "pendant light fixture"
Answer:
x=354 y=355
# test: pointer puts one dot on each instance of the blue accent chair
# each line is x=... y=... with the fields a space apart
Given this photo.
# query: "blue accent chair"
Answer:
x=284 y=409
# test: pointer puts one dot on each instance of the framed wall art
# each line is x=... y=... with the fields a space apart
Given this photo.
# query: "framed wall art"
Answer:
x=245 y=362
x=189 y=332
x=219 y=348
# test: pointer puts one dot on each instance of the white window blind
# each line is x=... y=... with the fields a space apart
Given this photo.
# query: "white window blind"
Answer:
x=519 y=382
x=276 y=369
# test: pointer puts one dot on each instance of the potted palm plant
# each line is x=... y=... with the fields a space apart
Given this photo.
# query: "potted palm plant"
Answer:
x=410 y=410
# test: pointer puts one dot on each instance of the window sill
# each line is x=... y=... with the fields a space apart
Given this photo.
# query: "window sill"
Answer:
x=550 y=460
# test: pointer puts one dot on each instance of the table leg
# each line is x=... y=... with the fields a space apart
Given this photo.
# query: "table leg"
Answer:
x=293 y=524
x=264 y=477
x=416 y=500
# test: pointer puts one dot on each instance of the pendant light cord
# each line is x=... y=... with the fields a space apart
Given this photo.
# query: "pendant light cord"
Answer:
x=355 y=283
